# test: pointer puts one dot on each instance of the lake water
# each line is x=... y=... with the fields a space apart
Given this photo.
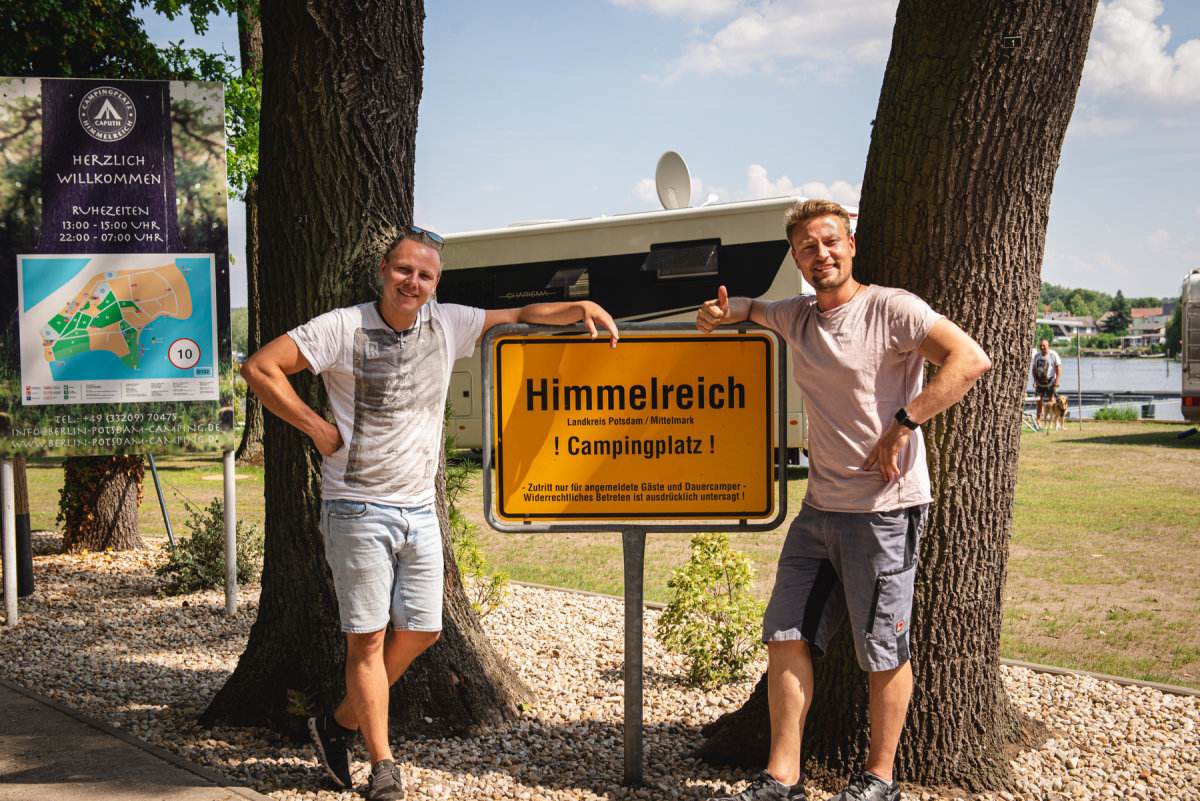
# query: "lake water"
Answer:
x=1096 y=374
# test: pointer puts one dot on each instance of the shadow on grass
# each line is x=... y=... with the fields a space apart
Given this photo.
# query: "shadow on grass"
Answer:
x=1161 y=439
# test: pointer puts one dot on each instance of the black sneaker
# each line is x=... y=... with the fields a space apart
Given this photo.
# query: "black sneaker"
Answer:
x=333 y=747
x=868 y=787
x=766 y=788
x=385 y=783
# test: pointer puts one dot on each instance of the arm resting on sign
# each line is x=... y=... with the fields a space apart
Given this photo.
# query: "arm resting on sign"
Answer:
x=563 y=313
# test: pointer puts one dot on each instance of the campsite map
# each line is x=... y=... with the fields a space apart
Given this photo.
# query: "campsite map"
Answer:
x=117 y=328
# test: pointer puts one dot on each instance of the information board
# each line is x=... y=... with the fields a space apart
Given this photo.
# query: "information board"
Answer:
x=113 y=267
x=660 y=427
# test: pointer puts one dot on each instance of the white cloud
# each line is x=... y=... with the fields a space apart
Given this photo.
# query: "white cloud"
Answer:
x=693 y=10
x=760 y=185
x=1128 y=57
x=765 y=32
x=1089 y=120
x=645 y=191
x=1159 y=239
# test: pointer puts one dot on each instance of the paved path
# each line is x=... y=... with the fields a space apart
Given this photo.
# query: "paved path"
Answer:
x=49 y=752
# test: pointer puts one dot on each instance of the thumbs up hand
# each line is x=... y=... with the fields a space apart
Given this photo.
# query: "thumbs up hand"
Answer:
x=713 y=312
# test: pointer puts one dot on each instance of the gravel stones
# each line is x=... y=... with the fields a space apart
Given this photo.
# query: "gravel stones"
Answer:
x=96 y=637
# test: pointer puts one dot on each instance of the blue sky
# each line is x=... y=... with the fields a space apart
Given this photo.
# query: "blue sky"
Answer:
x=545 y=109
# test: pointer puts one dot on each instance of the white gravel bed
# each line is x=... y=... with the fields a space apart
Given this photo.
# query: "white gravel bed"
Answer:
x=96 y=637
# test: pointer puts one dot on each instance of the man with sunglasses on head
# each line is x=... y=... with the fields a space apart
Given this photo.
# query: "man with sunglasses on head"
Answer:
x=859 y=354
x=386 y=367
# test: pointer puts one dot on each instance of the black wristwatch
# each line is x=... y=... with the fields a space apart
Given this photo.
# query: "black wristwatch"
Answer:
x=903 y=419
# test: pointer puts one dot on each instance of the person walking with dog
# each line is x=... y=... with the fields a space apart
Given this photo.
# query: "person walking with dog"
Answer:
x=1047 y=370
x=858 y=357
x=386 y=367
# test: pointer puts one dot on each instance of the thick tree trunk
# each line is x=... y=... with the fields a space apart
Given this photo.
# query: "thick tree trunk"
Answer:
x=250 y=43
x=99 y=503
x=975 y=103
x=341 y=86
x=251 y=446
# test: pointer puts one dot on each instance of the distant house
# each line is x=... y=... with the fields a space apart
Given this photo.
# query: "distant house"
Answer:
x=1146 y=331
x=1063 y=325
x=1145 y=311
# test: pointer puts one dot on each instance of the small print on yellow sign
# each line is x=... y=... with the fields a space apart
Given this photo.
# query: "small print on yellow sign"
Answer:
x=661 y=427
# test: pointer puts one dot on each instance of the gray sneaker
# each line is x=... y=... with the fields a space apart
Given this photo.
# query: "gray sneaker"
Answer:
x=385 y=783
x=765 y=788
x=868 y=787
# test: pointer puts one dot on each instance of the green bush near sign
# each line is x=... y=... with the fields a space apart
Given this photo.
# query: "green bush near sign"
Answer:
x=712 y=618
x=198 y=561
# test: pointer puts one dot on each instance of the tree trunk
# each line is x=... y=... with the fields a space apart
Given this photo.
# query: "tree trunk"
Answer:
x=955 y=203
x=99 y=501
x=250 y=43
x=251 y=446
x=341 y=86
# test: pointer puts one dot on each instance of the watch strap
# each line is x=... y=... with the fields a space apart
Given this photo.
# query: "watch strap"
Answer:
x=903 y=419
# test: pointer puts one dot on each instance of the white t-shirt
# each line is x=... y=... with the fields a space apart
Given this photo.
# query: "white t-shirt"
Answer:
x=1045 y=368
x=387 y=390
x=856 y=366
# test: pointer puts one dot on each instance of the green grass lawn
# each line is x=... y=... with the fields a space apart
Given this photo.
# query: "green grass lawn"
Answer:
x=1102 y=573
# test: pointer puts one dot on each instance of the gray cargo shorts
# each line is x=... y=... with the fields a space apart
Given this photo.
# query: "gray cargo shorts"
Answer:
x=839 y=563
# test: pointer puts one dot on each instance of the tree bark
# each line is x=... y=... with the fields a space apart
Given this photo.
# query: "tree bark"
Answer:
x=954 y=207
x=250 y=42
x=341 y=86
x=99 y=503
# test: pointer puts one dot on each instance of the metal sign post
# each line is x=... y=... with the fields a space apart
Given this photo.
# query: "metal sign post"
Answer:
x=231 y=582
x=667 y=427
x=633 y=548
x=7 y=490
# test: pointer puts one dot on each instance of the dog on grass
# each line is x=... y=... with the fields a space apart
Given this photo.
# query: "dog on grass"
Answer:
x=1056 y=412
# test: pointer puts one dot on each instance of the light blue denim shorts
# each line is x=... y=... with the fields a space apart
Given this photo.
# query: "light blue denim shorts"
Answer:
x=835 y=564
x=386 y=564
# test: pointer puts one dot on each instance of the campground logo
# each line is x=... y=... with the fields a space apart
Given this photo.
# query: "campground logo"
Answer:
x=107 y=114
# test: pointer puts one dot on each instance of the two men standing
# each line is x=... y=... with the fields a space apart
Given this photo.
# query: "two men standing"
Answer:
x=859 y=353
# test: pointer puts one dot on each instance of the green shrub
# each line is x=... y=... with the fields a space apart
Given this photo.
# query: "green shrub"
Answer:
x=198 y=562
x=485 y=590
x=712 y=619
x=1117 y=413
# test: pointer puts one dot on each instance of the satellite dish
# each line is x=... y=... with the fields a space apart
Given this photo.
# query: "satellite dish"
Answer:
x=673 y=181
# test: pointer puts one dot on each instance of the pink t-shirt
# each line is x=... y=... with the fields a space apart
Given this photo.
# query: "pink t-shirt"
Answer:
x=856 y=365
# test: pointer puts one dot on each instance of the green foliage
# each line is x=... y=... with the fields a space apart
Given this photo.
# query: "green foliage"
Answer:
x=239 y=335
x=1042 y=331
x=198 y=561
x=1121 y=317
x=1100 y=341
x=243 y=102
x=712 y=619
x=485 y=590
x=1117 y=413
x=76 y=39
x=1174 y=333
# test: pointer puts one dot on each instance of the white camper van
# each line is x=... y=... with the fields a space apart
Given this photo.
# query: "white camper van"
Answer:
x=1190 y=318
x=652 y=266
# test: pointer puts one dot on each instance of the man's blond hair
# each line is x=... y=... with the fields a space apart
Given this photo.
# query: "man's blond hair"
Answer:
x=806 y=210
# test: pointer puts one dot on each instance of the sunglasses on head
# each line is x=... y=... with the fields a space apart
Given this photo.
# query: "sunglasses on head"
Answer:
x=415 y=229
